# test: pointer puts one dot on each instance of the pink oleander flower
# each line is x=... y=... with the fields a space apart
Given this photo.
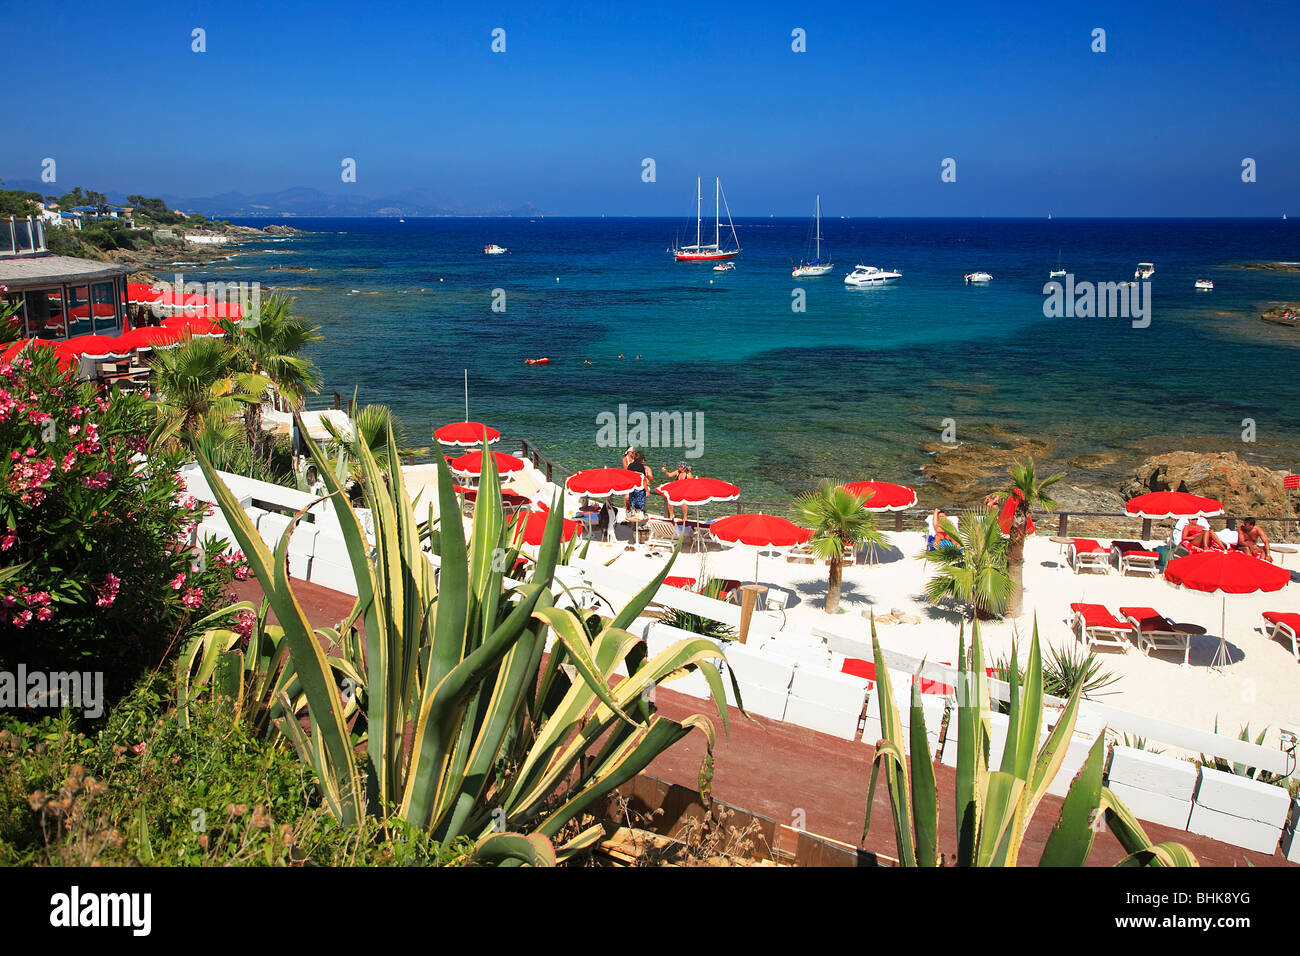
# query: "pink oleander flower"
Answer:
x=178 y=581
x=7 y=600
x=39 y=599
x=8 y=540
x=192 y=598
x=241 y=573
x=22 y=619
x=44 y=614
x=244 y=624
x=138 y=748
x=100 y=479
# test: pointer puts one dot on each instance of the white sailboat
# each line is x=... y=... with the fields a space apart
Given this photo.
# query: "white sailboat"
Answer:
x=815 y=267
x=713 y=252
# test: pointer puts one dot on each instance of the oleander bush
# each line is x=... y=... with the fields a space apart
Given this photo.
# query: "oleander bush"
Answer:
x=94 y=529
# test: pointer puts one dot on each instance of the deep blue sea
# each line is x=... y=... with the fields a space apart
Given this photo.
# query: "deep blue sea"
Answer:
x=856 y=386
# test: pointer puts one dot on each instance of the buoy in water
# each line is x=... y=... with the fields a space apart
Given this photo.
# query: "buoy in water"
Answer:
x=537 y=361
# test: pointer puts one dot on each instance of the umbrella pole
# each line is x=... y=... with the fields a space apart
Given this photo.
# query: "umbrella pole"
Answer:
x=1221 y=655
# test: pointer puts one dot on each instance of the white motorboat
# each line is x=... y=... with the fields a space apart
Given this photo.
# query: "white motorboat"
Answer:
x=724 y=267
x=1058 y=272
x=1205 y=285
x=870 y=275
x=973 y=278
x=492 y=249
x=1145 y=270
x=713 y=252
x=814 y=266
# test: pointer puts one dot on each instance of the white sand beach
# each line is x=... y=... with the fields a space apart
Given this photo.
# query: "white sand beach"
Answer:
x=1261 y=686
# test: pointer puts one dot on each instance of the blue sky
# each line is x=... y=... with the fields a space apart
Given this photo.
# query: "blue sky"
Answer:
x=1157 y=125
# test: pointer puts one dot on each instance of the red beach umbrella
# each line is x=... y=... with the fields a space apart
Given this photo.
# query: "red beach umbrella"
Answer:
x=1225 y=572
x=601 y=482
x=698 y=491
x=885 y=495
x=1158 y=505
x=466 y=434
x=94 y=347
x=472 y=464
x=760 y=532
x=531 y=529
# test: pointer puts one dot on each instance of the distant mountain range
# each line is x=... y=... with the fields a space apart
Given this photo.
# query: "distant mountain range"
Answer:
x=302 y=201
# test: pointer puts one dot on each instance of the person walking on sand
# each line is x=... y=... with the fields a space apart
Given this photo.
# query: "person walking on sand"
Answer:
x=636 y=500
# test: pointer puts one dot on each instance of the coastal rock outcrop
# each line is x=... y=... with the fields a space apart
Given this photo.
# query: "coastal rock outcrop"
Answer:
x=1243 y=488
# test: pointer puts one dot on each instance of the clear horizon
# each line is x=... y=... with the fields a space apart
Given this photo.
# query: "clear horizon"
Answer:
x=1156 y=126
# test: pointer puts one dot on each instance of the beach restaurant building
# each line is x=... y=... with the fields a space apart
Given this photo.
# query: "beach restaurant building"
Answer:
x=59 y=297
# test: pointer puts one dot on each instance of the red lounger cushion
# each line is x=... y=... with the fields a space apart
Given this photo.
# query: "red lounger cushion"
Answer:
x=1133 y=549
x=863 y=668
x=679 y=582
x=1097 y=615
x=1088 y=546
x=1148 y=618
x=1285 y=618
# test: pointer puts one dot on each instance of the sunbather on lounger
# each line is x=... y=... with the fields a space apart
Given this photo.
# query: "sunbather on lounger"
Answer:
x=1200 y=536
x=1252 y=539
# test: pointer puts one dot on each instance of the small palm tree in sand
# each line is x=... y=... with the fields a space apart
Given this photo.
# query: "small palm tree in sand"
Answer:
x=1028 y=494
x=837 y=519
x=975 y=572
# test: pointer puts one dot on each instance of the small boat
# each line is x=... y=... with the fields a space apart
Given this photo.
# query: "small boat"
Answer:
x=978 y=278
x=870 y=275
x=537 y=361
x=699 y=252
x=1205 y=285
x=401 y=220
x=492 y=249
x=724 y=267
x=1145 y=270
x=814 y=266
x=1058 y=272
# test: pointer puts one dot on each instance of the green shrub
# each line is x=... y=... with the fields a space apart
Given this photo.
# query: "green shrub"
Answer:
x=95 y=520
x=144 y=790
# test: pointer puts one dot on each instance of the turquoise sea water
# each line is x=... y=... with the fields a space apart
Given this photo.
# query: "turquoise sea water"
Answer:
x=854 y=387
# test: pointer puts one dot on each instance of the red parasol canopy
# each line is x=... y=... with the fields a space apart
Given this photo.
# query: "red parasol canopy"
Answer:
x=137 y=293
x=759 y=531
x=466 y=434
x=531 y=529
x=698 y=491
x=94 y=347
x=600 y=482
x=149 y=337
x=1172 y=504
x=472 y=464
x=193 y=324
x=1229 y=572
x=223 y=310
x=885 y=495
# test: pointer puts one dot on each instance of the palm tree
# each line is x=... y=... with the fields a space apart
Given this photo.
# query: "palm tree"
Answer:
x=976 y=571
x=198 y=380
x=837 y=519
x=269 y=345
x=371 y=424
x=1028 y=493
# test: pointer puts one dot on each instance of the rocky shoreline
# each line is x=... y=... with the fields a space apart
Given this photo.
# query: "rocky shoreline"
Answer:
x=961 y=476
x=1278 y=314
x=147 y=262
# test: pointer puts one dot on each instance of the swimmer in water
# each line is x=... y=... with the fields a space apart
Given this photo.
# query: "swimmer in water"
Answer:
x=620 y=354
x=586 y=362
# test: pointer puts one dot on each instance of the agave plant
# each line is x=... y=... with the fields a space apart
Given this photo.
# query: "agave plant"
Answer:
x=1241 y=769
x=1076 y=667
x=994 y=807
x=505 y=748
